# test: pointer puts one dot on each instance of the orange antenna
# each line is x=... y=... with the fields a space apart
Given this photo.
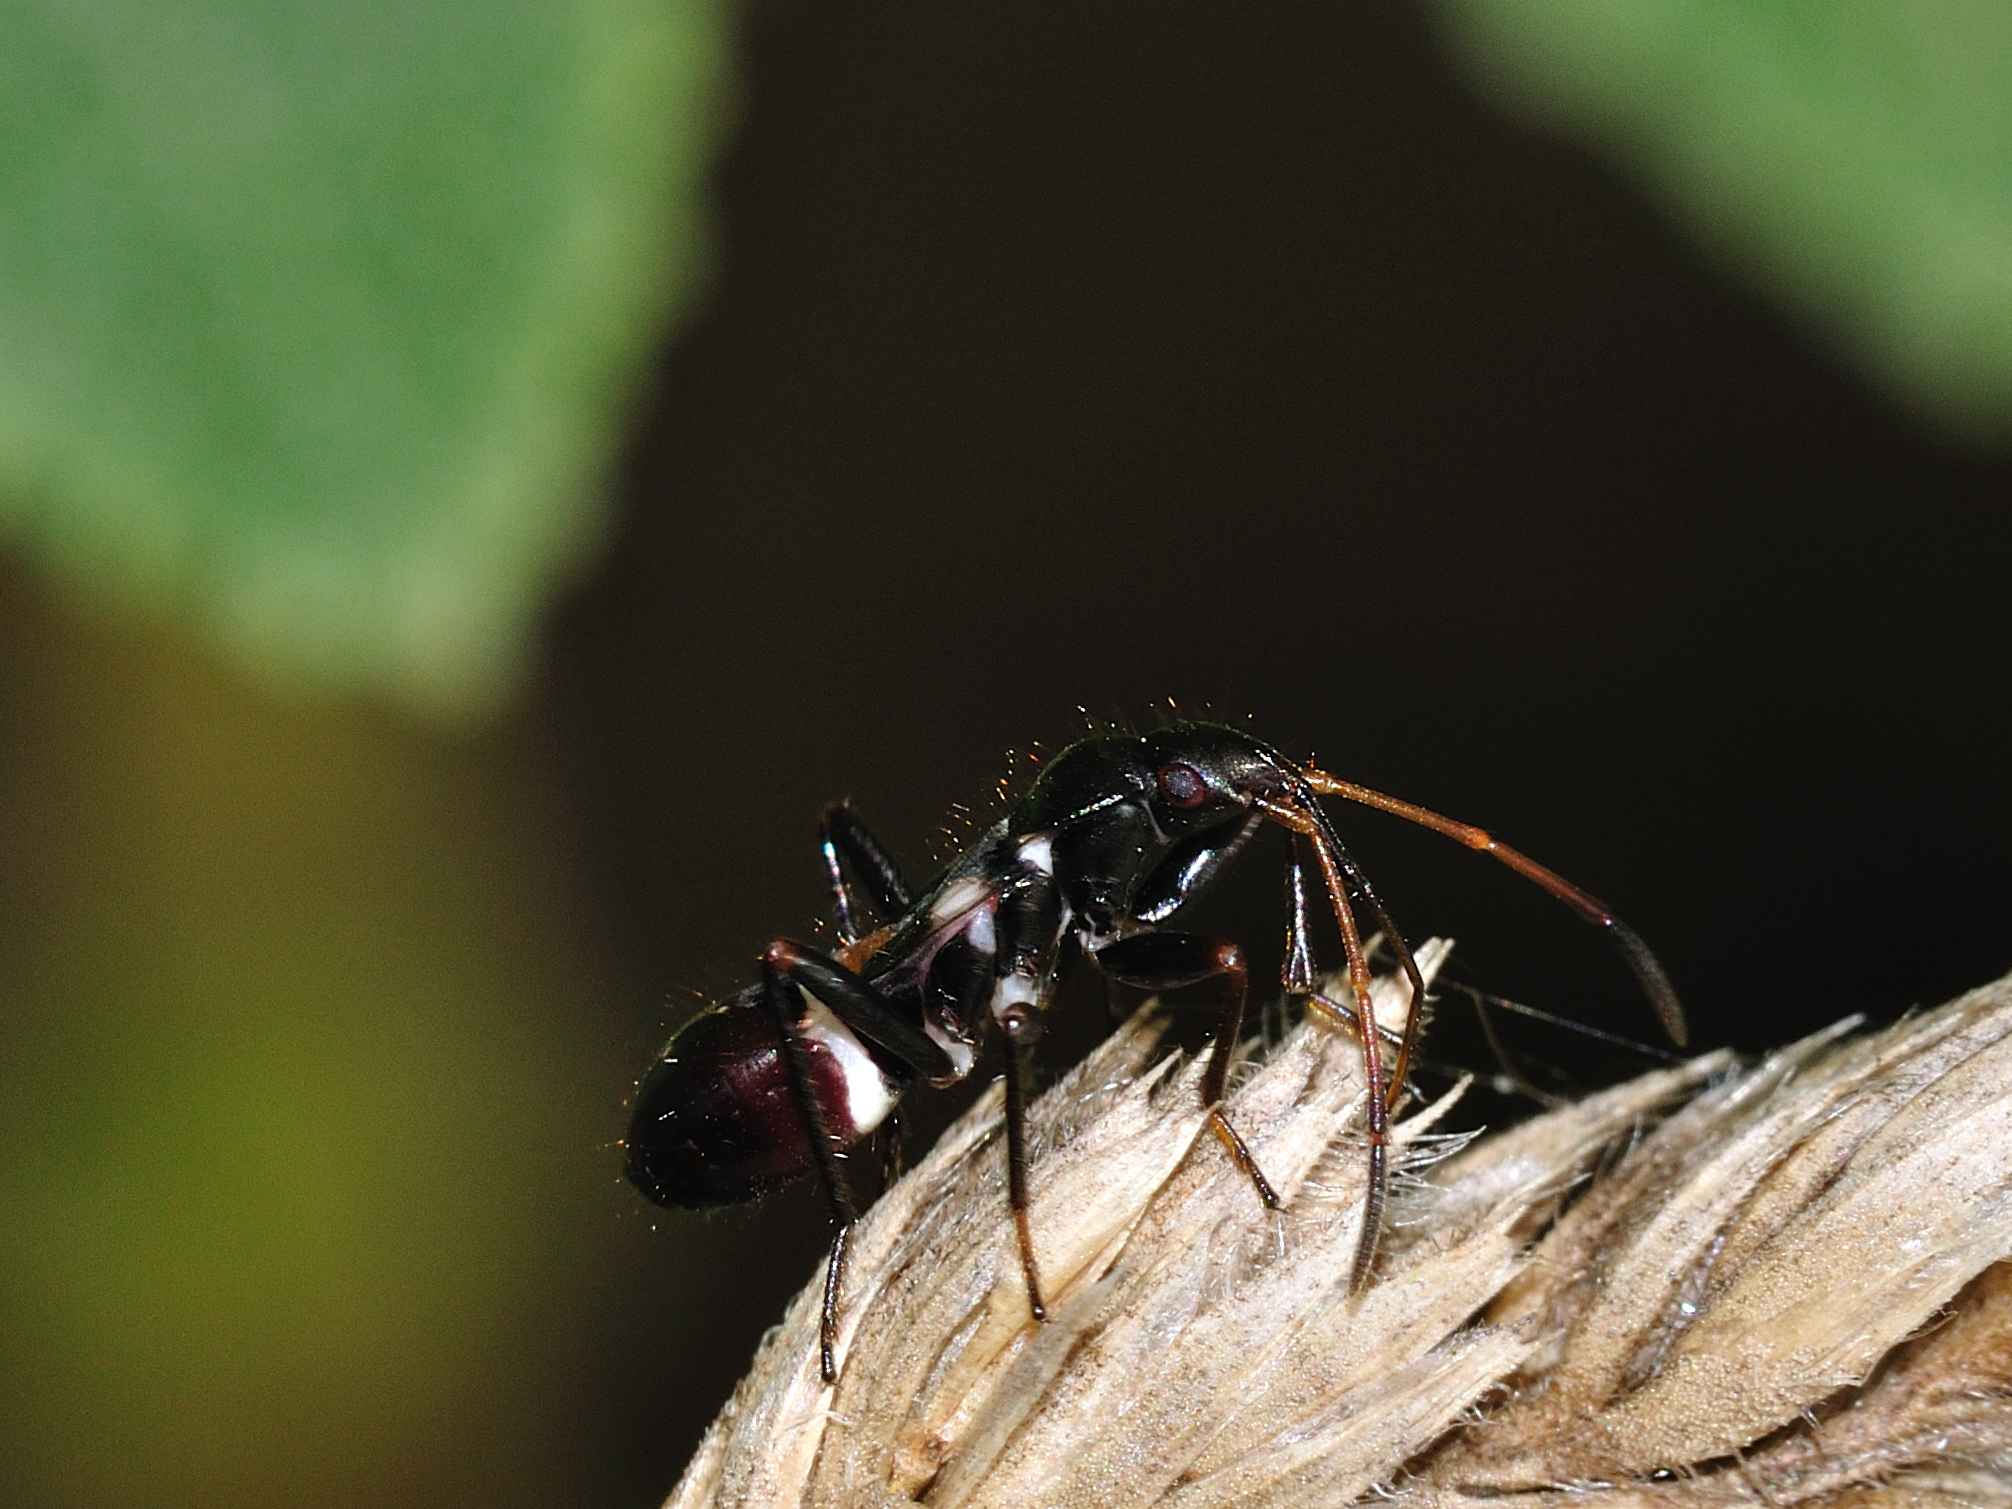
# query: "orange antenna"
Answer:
x=1655 y=981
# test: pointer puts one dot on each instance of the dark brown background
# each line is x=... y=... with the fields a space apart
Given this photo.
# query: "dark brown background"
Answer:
x=1246 y=357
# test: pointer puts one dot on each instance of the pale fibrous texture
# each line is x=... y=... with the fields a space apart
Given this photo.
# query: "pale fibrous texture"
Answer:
x=1784 y=1283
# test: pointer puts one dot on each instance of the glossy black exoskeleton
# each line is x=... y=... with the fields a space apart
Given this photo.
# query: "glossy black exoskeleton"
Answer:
x=1117 y=833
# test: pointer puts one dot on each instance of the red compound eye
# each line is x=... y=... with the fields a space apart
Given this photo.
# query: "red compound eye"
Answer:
x=1182 y=785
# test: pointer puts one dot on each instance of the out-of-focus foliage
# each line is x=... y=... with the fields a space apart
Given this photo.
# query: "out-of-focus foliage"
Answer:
x=318 y=321
x=1853 y=153
x=300 y=1141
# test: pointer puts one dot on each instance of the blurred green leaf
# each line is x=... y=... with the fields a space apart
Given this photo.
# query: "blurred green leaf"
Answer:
x=1856 y=155
x=317 y=321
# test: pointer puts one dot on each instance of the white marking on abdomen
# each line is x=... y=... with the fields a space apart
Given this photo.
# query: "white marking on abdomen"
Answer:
x=1039 y=851
x=868 y=1095
x=958 y=898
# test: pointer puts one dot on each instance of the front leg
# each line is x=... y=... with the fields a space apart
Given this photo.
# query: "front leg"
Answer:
x=1173 y=961
x=1028 y=928
x=1297 y=978
x=1021 y=1026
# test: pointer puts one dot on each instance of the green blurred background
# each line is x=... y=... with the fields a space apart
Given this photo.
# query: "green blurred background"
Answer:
x=476 y=482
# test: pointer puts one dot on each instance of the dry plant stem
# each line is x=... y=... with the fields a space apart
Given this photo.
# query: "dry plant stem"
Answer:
x=1783 y=1286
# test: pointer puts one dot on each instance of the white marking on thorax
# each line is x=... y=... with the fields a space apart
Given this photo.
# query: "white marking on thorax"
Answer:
x=962 y=1055
x=868 y=1095
x=1039 y=851
x=958 y=898
x=1014 y=990
x=981 y=934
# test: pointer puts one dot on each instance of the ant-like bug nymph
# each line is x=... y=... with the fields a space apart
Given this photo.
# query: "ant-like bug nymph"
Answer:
x=1114 y=837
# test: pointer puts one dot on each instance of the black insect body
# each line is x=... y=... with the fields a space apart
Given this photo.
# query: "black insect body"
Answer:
x=1117 y=833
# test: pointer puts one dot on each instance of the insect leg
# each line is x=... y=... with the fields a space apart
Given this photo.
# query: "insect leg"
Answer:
x=1296 y=977
x=1170 y=961
x=1306 y=822
x=788 y=971
x=1029 y=932
x=1189 y=867
x=1023 y=1030
x=893 y=1149
x=845 y=843
x=1414 y=1016
x=856 y=1003
x=788 y=1005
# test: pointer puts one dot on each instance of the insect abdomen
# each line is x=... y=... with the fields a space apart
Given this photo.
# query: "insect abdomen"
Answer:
x=717 y=1121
